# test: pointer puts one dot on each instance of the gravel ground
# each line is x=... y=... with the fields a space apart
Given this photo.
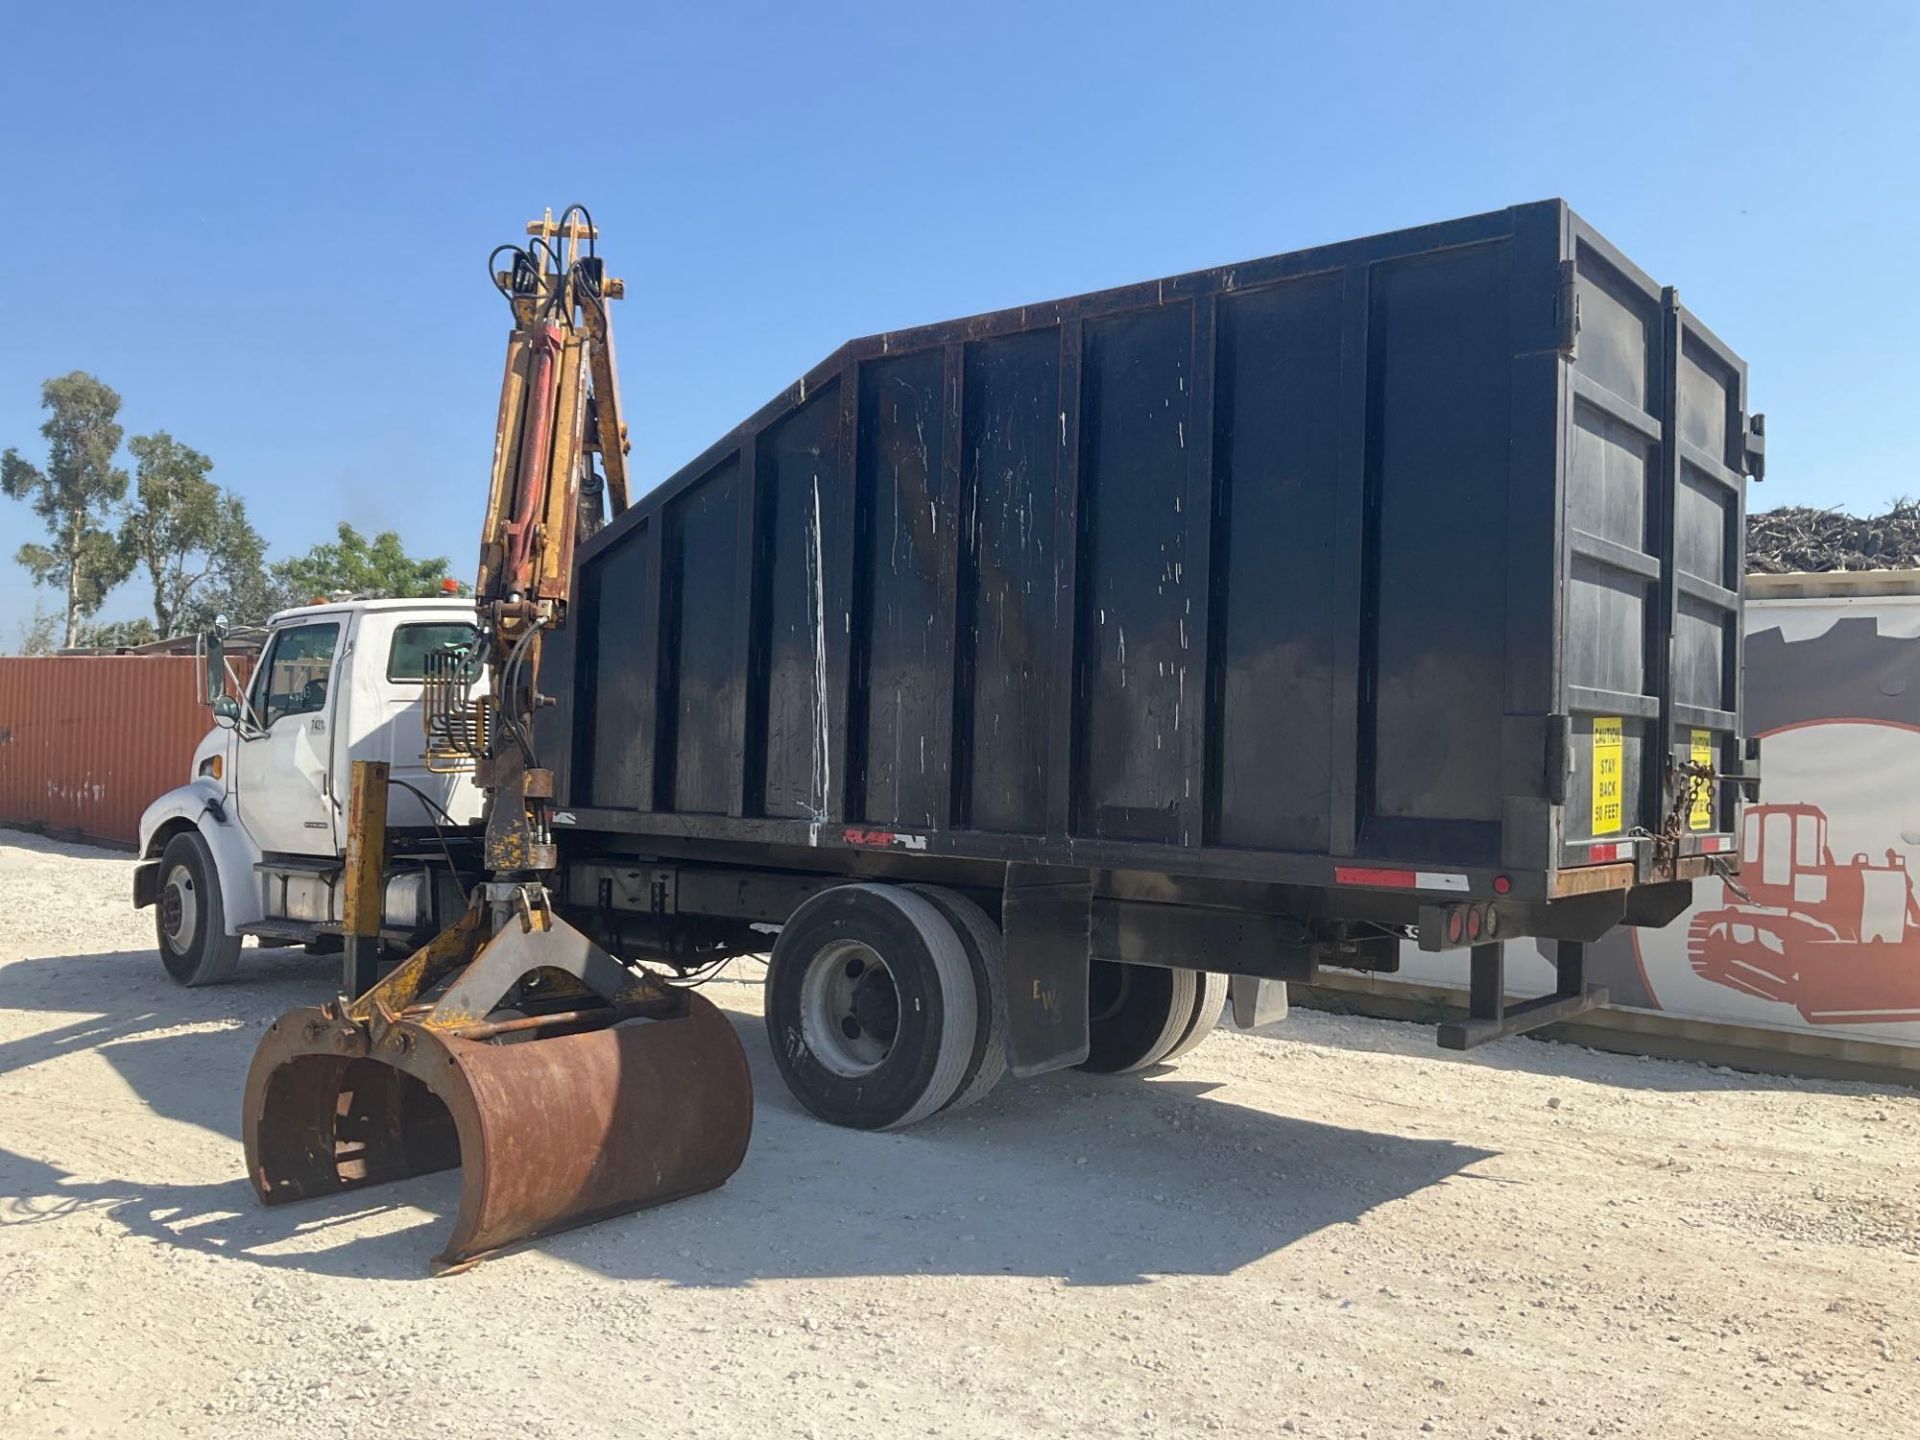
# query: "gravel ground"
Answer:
x=1332 y=1229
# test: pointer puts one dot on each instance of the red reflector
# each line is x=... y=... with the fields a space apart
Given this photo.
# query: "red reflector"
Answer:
x=1501 y=884
x=1609 y=852
x=1714 y=844
x=1363 y=875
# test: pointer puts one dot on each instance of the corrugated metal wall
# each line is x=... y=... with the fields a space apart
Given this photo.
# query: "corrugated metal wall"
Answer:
x=87 y=742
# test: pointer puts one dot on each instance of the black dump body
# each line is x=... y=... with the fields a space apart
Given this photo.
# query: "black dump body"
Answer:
x=1400 y=564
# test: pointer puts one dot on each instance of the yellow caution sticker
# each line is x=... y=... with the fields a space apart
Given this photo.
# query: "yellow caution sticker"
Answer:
x=1700 y=811
x=1607 y=774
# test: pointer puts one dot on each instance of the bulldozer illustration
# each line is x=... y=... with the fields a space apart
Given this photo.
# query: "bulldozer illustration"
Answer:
x=1838 y=942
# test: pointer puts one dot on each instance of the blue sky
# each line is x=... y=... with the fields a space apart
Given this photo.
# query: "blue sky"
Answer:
x=265 y=225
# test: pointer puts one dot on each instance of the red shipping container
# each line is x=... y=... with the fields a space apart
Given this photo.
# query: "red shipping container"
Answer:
x=87 y=742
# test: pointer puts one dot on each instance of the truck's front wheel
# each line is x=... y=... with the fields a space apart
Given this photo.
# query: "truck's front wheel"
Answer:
x=189 y=920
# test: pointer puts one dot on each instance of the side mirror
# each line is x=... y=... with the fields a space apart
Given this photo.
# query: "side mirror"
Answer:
x=213 y=653
x=226 y=709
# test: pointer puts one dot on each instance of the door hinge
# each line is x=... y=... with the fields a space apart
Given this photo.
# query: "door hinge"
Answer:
x=1755 y=458
x=1566 y=309
x=1559 y=757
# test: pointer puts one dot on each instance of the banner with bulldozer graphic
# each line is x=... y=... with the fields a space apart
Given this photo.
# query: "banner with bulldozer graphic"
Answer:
x=1822 y=931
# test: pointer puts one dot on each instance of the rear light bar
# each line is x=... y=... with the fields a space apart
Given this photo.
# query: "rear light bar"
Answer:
x=1455 y=926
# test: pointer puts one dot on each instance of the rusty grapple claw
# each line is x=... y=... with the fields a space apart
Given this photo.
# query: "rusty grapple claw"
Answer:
x=639 y=1097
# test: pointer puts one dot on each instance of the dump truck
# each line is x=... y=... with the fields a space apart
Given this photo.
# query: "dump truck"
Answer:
x=1033 y=686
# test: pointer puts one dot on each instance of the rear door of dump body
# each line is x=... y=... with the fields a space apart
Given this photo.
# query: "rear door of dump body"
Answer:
x=1658 y=446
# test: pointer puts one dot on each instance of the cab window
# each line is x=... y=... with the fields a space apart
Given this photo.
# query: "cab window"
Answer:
x=407 y=660
x=1806 y=842
x=293 y=679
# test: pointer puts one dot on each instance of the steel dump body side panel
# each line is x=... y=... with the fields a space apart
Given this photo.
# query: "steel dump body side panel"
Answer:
x=1324 y=560
x=1271 y=734
x=1008 y=648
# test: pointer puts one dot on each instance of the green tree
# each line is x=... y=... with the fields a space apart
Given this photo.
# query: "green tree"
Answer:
x=119 y=634
x=73 y=495
x=34 y=635
x=192 y=539
x=380 y=566
x=240 y=591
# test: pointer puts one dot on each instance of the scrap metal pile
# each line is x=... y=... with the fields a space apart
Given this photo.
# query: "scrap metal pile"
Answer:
x=1796 y=539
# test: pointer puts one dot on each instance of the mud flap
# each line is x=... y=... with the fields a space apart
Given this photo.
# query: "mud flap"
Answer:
x=1257 y=1002
x=1046 y=920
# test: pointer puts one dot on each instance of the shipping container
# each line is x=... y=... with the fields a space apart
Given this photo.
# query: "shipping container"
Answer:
x=1407 y=564
x=88 y=741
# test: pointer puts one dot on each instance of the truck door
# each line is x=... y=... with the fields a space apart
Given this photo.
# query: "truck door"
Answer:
x=281 y=763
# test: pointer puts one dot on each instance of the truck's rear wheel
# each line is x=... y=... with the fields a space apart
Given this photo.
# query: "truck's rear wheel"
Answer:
x=1209 y=999
x=987 y=953
x=190 y=922
x=1136 y=1014
x=871 y=1006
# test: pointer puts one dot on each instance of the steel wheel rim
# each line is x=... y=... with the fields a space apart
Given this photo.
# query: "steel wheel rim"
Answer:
x=849 y=1008
x=179 y=910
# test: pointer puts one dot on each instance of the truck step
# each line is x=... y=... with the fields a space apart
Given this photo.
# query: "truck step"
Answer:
x=290 y=929
x=273 y=864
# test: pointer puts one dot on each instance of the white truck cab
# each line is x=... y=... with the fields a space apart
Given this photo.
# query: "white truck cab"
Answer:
x=252 y=843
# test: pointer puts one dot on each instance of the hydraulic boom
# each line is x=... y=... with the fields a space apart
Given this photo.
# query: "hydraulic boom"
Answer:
x=569 y=1084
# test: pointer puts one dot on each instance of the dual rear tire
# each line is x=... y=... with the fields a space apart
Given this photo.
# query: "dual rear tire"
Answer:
x=887 y=1004
x=1146 y=1015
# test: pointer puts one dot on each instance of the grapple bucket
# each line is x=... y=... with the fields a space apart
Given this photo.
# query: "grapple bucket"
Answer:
x=554 y=1122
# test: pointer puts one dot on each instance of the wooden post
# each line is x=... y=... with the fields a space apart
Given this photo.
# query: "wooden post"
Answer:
x=364 y=876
